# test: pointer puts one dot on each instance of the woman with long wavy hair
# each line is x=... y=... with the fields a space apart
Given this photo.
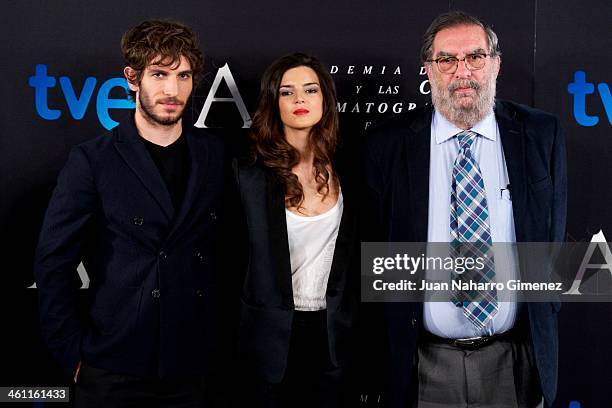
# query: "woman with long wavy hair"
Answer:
x=299 y=296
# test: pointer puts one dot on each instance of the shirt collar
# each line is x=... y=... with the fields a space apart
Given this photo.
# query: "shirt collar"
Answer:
x=445 y=130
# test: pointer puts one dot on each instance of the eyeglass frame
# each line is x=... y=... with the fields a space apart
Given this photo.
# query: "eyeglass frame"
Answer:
x=464 y=59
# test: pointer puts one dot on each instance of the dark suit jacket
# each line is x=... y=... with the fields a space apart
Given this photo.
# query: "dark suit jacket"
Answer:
x=152 y=267
x=267 y=299
x=397 y=174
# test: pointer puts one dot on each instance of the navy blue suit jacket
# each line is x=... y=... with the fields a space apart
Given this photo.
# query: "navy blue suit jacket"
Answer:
x=152 y=267
x=397 y=173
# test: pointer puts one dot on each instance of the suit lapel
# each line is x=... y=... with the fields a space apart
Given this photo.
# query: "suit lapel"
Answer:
x=279 y=240
x=346 y=230
x=198 y=154
x=418 y=161
x=512 y=137
x=133 y=151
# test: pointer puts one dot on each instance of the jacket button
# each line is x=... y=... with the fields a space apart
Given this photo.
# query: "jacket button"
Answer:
x=163 y=255
x=155 y=293
x=138 y=221
x=213 y=216
x=199 y=255
x=199 y=293
x=414 y=321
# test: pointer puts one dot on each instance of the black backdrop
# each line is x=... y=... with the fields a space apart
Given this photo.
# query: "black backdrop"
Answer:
x=544 y=44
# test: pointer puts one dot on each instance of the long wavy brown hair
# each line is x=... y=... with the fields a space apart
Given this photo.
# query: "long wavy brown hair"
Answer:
x=272 y=150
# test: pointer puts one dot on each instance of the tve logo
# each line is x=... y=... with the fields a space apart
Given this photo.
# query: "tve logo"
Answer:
x=580 y=89
x=77 y=105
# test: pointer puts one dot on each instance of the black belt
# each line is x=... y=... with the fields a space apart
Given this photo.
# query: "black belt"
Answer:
x=470 y=343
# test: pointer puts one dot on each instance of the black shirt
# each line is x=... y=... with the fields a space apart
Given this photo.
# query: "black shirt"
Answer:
x=173 y=163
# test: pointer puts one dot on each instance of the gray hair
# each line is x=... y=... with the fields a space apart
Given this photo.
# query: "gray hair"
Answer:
x=454 y=19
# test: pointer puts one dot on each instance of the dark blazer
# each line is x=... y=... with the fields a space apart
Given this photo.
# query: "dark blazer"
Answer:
x=152 y=267
x=397 y=175
x=267 y=298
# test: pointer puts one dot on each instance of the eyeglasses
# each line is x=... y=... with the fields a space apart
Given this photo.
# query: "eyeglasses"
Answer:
x=473 y=62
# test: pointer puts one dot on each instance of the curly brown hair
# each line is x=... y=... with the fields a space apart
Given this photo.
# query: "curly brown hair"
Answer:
x=161 y=42
x=272 y=150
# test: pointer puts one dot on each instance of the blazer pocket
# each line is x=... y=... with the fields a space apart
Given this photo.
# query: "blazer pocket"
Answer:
x=115 y=308
x=541 y=184
x=264 y=340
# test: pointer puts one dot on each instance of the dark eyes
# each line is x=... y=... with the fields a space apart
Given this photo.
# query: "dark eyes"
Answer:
x=307 y=90
x=163 y=74
x=475 y=57
x=469 y=57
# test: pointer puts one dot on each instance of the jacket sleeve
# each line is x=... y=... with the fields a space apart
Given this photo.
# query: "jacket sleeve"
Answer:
x=371 y=211
x=559 y=176
x=60 y=249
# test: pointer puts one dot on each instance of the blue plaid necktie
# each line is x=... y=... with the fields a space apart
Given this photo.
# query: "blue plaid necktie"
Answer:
x=471 y=234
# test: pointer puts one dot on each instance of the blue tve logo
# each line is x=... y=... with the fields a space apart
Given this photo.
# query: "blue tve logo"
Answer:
x=77 y=104
x=580 y=88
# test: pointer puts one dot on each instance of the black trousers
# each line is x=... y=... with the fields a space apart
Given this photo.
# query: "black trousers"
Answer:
x=98 y=388
x=311 y=380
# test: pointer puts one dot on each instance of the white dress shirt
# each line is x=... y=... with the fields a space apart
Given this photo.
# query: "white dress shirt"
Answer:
x=444 y=319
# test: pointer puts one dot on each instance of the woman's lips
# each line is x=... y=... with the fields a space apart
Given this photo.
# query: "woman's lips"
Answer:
x=301 y=112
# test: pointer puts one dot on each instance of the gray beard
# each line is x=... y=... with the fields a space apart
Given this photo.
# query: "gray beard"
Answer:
x=466 y=117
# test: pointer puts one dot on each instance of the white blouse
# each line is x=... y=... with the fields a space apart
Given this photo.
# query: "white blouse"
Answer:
x=312 y=241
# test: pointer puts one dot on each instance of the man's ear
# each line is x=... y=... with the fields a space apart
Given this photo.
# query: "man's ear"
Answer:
x=497 y=62
x=428 y=68
x=131 y=75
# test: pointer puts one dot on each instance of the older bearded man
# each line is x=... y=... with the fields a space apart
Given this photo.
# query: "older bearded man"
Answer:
x=469 y=170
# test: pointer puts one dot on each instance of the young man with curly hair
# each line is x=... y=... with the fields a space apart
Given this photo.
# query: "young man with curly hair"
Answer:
x=139 y=206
